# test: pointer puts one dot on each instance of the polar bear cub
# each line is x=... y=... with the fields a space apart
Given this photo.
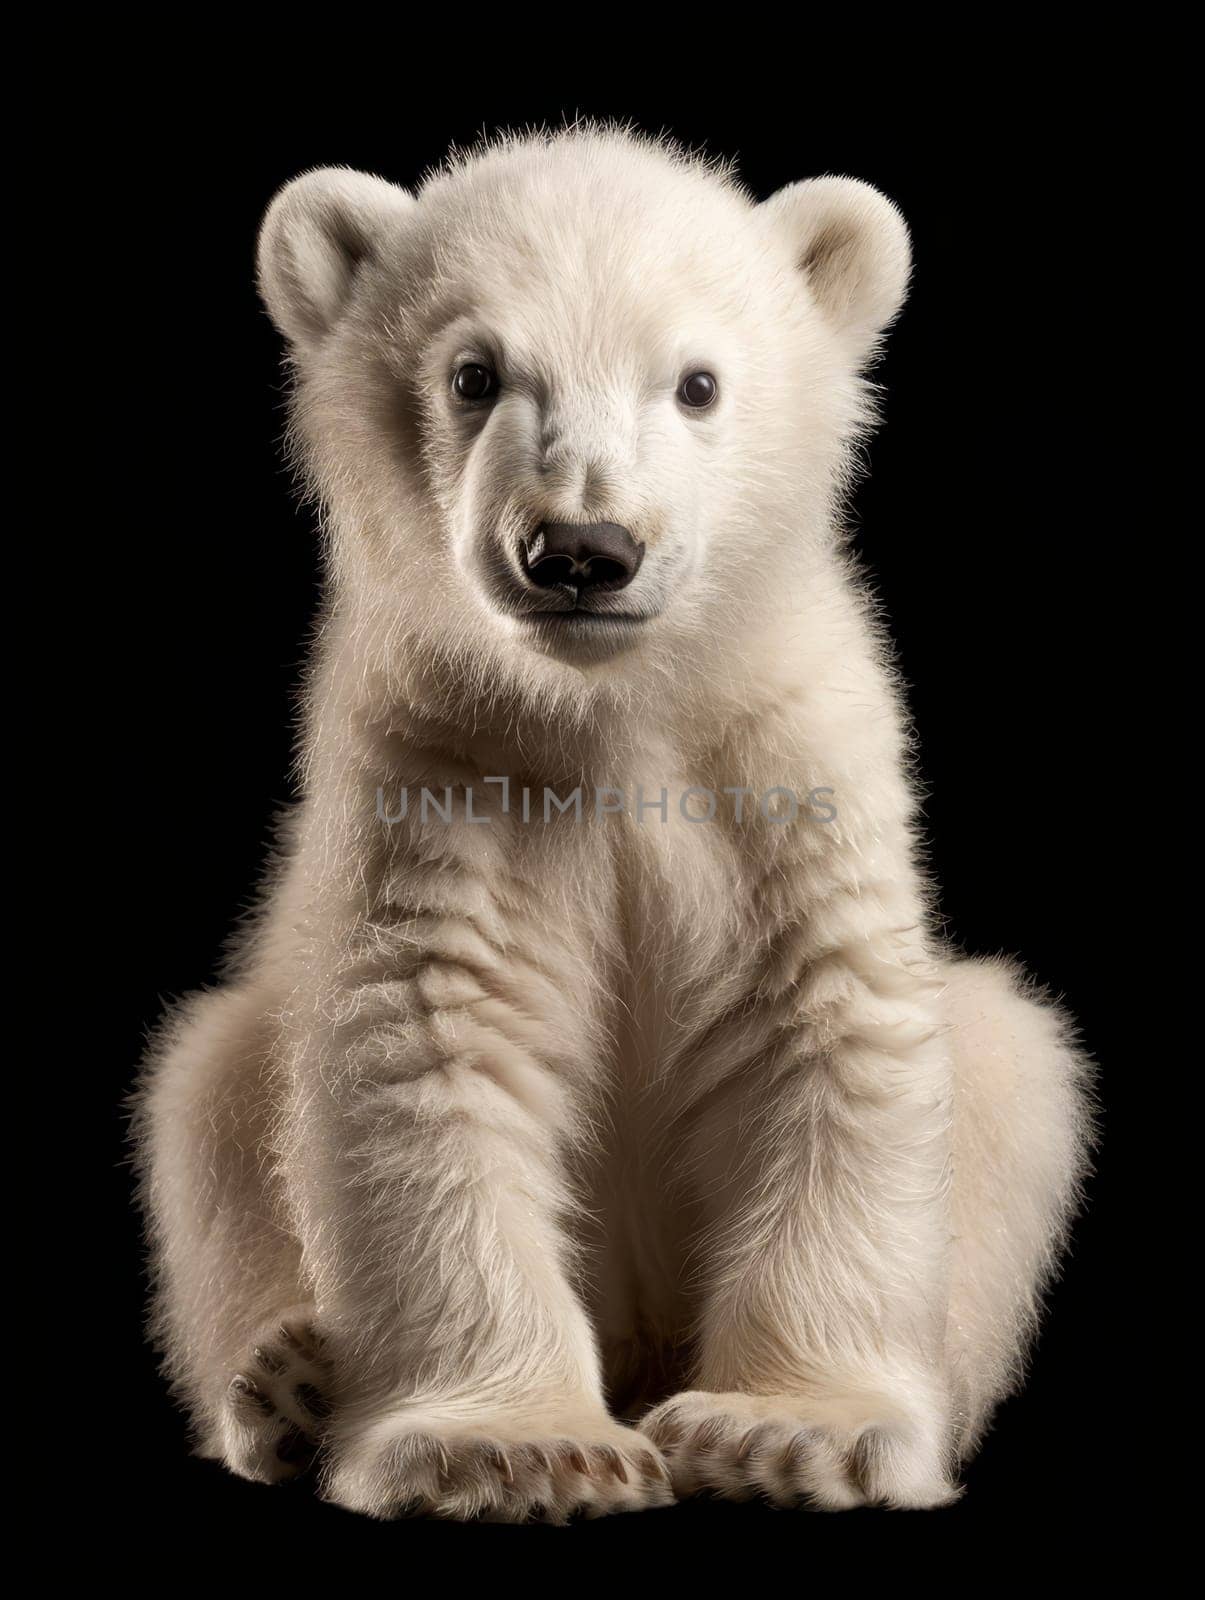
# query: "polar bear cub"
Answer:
x=593 y=1115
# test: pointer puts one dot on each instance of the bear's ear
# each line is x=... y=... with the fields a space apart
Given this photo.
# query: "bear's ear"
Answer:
x=852 y=246
x=316 y=234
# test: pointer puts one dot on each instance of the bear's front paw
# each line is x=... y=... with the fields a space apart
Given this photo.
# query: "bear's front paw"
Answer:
x=504 y=1468
x=795 y=1452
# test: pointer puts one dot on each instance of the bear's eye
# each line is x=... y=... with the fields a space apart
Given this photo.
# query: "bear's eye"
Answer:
x=698 y=389
x=474 y=382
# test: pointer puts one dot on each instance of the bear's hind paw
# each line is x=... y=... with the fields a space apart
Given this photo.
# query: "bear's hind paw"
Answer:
x=276 y=1405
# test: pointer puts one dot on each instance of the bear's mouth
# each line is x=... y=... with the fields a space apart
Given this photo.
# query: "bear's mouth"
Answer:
x=581 y=617
x=580 y=636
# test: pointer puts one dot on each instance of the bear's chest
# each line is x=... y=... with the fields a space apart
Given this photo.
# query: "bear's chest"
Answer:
x=688 y=929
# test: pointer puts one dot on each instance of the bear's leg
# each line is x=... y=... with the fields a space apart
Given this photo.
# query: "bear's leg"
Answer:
x=1021 y=1131
x=836 y=1366
x=821 y=1163
x=425 y=1155
x=231 y=1313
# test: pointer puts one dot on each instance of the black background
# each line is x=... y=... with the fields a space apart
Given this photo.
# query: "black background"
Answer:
x=985 y=523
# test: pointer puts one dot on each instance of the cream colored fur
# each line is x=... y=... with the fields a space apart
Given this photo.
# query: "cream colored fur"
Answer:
x=501 y=1133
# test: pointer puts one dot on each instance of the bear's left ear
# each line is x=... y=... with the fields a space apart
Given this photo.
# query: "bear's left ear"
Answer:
x=851 y=244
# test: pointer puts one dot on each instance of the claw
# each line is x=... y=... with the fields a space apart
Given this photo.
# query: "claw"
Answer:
x=502 y=1462
x=613 y=1461
x=426 y=1444
x=746 y=1445
x=304 y=1340
x=577 y=1459
x=245 y=1391
x=794 y=1454
x=669 y=1429
x=709 y=1434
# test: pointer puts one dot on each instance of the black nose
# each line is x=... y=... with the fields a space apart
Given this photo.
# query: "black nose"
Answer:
x=599 y=556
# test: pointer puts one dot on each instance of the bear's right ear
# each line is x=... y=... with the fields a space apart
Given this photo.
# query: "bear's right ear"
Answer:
x=316 y=234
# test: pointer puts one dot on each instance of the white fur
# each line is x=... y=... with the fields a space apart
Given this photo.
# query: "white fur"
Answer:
x=505 y=1119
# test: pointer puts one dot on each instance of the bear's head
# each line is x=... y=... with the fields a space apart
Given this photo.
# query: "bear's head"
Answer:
x=580 y=395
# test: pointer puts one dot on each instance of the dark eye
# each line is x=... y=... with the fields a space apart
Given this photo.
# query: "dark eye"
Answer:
x=474 y=382
x=698 y=389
